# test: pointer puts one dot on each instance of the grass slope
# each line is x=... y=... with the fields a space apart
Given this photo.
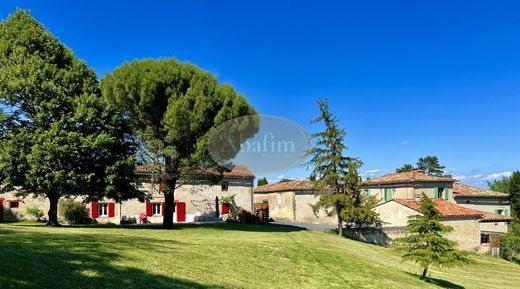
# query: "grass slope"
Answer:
x=218 y=256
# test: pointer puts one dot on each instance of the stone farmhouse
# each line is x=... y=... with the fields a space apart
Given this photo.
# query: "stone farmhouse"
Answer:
x=475 y=214
x=194 y=200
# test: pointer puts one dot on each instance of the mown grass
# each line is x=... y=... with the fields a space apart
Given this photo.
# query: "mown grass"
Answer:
x=217 y=256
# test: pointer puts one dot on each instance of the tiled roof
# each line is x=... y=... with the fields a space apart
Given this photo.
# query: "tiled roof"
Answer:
x=302 y=185
x=462 y=190
x=407 y=177
x=238 y=171
x=490 y=217
x=446 y=209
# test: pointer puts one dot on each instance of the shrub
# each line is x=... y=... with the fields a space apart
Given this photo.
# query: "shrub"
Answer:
x=510 y=243
x=74 y=212
x=35 y=212
x=245 y=217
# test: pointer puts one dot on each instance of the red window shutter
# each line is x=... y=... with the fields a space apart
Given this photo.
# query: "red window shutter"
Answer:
x=162 y=208
x=111 y=210
x=148 y=209
x=225 y=208
x=94 y=210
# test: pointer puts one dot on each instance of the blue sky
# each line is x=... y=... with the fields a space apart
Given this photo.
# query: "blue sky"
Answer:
x=406 y=78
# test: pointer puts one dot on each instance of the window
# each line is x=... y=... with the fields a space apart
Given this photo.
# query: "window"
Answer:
x=224 y=186
x=440 y=193
x=279 y=199
x=103 y=209
x=156 y=208
x=484 y=238
x=14 y=204
x=500 y=212
x=388 y=194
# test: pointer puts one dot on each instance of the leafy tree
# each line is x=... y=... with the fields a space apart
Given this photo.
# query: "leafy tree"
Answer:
x=59 y=138
x=334 y=175
x=172 y=108
x=431 y=166
x=404 y=168
x=426 y=245
x=262 y=181
x=501 y=185
x=514 y=194
x=510 y=242
x=285 y=180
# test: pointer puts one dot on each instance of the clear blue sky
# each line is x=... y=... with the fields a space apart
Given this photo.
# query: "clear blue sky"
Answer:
x=406 y=78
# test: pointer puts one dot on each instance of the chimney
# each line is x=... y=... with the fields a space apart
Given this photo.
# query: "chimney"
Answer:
x=417 y=198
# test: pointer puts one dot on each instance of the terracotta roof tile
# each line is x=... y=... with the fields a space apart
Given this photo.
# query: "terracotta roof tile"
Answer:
x=490 y=217
x=238 y=171
x=407 y=177
x=302 y=185
x=446 y=209
x=462 y=190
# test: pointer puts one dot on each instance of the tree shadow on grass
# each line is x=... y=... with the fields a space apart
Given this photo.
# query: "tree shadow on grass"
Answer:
x=439 y=282
x=268 y=228
x=58 y=261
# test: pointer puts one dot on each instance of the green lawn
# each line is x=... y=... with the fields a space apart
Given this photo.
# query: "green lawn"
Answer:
x=217 y=256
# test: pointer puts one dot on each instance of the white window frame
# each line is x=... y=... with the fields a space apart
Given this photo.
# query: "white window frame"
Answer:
x=103 y=209
x=156 y=209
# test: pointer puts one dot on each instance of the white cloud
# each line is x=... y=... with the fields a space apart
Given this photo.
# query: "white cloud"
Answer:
x=280 y=177
x=495 y=176
x=480 y=177
x=370 y=173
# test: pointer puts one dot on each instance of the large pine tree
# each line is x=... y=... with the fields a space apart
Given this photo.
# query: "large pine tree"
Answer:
x=334 y=175
x=426 y=244
x=173 y=108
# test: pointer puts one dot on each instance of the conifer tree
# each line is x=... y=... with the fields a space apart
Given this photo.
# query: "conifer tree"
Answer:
x=426 y=244
x=334 y=176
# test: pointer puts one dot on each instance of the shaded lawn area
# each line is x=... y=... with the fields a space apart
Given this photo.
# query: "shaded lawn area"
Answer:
x=217 y=256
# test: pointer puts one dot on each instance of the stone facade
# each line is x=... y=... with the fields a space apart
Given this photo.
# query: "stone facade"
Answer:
x=293 y=206
x=199 y=200
x=466 y=232
x=443 y=190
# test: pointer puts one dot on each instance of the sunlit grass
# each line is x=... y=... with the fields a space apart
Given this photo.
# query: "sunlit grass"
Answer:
x=217 y=256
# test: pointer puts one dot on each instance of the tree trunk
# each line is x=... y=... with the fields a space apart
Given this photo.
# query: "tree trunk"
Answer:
x=424 y=272
x=169 y=203
x=53 y=211
x=172 y=171
x=340 y=226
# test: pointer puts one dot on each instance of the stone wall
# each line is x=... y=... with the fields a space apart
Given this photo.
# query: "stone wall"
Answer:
x=281 y=205
x=199 y=199
x=494 y=227
x=466 y=232
x=304 y=213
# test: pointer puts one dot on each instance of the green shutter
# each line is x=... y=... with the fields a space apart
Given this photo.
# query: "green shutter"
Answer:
x=496 y=211
x=368 y=192
x=435 y=192
x=446 y=193
x=388 y=194
x=506 y=212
